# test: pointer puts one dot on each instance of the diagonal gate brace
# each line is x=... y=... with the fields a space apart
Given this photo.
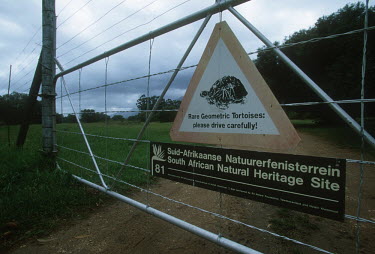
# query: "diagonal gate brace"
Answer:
x=81 y=129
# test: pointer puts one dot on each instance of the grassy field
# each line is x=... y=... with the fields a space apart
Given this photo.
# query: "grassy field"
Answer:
x=34 y=198
x=341 y=135
x=115 y=150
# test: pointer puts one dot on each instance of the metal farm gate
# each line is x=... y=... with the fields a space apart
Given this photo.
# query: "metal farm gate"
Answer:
x=113 y=161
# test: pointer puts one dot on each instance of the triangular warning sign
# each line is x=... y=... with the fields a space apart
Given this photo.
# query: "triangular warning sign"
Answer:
x=228 y=102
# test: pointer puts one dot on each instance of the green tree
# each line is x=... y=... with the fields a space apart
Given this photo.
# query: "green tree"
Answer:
x=70 y=118
x=90 y=116
x=118 y=118
x=334 y=64
x=12 y=108
x=162 y=116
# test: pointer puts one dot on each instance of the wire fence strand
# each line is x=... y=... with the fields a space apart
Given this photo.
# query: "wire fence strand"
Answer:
x=107 y=29
x=127 y=31
x=92 y=24
x=74 y=13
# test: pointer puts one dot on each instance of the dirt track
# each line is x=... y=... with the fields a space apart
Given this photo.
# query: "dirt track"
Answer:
x=119 y=228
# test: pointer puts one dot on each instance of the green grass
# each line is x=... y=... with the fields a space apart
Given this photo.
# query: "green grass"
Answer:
x=341 y=135
x=34 y=198
x=115 y=150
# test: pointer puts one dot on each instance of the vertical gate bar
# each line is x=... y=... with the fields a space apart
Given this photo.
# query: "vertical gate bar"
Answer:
x=81 y=128
x=148 y=120
x=361 y=166
x=147 y=154
x=323 y=95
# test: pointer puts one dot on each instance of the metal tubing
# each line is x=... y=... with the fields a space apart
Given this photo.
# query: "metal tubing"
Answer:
x=213 y=9
x=148 y=120
x=325 y=97
x=217 y=239
x=81 y=128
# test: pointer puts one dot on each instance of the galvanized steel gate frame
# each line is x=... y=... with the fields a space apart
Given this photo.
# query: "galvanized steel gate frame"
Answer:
x=205 y=14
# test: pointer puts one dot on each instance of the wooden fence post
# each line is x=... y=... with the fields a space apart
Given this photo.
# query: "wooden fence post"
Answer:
x=30 y=104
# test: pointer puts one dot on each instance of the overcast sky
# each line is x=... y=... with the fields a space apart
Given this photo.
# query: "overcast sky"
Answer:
x=86 y=28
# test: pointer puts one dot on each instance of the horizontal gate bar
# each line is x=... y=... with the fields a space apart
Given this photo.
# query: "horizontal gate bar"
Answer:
x=219 y=240
x=213 y=9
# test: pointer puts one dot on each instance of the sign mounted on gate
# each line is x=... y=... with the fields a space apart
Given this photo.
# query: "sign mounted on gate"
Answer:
x=228 y=102
x=307 y=184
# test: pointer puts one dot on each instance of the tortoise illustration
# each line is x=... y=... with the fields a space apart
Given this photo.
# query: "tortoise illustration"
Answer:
x=225 y=91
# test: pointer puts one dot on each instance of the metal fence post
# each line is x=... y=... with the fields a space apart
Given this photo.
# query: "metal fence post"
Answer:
x=48 y=73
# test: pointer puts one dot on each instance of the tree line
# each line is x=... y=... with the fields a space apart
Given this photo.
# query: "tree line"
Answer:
x=12 y=110
x=334 y=64
x=91 y=116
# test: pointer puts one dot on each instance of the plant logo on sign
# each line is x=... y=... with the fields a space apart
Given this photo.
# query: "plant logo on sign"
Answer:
x=158 y=156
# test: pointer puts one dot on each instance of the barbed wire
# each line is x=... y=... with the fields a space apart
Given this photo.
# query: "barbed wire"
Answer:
x=89 y=1
x=110 y=27
x=134 y=28
x=90 y=25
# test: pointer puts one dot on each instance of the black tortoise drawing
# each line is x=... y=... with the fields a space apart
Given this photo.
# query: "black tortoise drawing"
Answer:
x=225 y=91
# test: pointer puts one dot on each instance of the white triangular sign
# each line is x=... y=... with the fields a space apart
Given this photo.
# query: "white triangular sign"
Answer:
x=229 y=103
